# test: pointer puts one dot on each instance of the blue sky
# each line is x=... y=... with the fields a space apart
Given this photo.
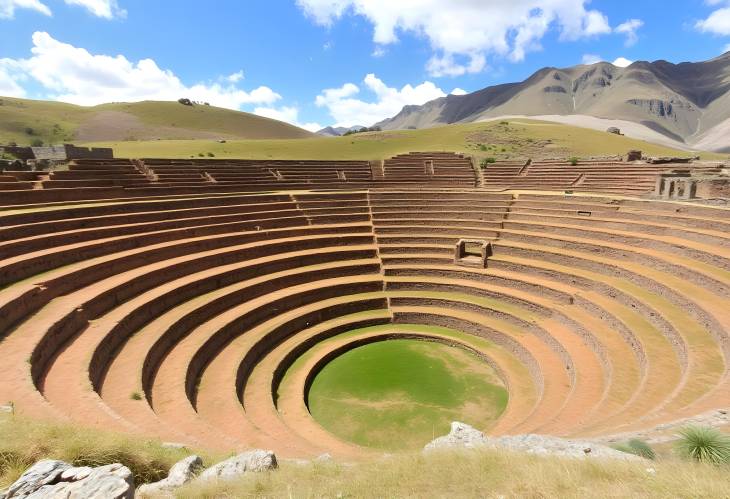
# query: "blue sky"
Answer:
x=322 y=62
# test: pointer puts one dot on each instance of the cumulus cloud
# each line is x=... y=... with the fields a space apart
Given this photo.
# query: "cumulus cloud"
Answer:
x=459 y=91
x=622 y=62
x=471 y=31
x=629 y=28
x=235 y=77
x=9 y=82
x=73 y=74
x=447 y=65
x=107 y=9
x=289 y=114
x=348 y=110
x=7 y=7
x=718 y=22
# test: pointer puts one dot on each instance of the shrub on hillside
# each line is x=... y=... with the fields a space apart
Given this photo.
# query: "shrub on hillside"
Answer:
x=486 y=162
x=704 y=444
x=573 y=161
x=36 y=143
x=363 y=130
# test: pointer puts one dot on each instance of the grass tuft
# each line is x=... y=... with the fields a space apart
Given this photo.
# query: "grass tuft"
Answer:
x=637 y=447
x=24 y=442
x=704 y=444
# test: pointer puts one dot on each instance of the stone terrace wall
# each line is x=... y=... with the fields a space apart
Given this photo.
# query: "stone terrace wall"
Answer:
x=74 y=152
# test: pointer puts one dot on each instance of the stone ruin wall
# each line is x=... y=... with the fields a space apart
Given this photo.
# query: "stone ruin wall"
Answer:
x=713 y=189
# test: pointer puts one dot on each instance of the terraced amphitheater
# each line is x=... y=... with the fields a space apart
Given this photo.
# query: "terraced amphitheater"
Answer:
x=198 y=301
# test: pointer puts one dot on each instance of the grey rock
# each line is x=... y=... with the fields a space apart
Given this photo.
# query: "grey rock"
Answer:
x=40 y=474
x=181 y=473
x=463 y=436
x=58 y=480
x=252 y=461
x=7 y=409
x=75 y=474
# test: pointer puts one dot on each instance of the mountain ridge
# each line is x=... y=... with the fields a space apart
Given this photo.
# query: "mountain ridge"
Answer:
x=688 y=103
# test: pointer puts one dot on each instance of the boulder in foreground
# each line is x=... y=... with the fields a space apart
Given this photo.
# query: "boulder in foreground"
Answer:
x=252 y=461
x=181 y=473
x=50 y=479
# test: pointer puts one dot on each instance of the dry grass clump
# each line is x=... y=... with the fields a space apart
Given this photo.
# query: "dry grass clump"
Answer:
x=477 y=474
x=23 y=443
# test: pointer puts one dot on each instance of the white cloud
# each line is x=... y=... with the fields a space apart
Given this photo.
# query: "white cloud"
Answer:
x=347 y=110
x=718 y=22
x=235 y=77
x=446 y=65
x=107 y=9
x=379 y=51
x=629 y=28
x=467 y=29
x=622 y=62
x=287 y=114
x=7 y=7
x=9 y=85
x=459 y=91
x=72 y=74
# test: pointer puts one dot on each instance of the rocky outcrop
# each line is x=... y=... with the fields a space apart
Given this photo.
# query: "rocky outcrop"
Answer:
x=180 y=474
x=463 y=436
x=663 y=160
x=252 y=461
x=50 y=479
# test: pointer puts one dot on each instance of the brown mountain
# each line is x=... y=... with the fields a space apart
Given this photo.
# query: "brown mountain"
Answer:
x=685 y=104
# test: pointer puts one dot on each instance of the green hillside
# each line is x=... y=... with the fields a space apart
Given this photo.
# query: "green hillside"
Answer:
x=516 y=139
x=23 y=121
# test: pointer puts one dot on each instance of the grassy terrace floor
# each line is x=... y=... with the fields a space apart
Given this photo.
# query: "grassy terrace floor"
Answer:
x=520 y=138
x=398 y=394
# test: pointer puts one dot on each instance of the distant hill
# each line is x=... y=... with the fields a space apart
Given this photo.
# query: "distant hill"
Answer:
x=686 y=104
x=338 y=131
x=24 y=120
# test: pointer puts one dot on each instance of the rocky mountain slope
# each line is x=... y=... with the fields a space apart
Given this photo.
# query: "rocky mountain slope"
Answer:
x=688 y=103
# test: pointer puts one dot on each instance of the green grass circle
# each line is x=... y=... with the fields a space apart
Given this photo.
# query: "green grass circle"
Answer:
x=400 y=394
